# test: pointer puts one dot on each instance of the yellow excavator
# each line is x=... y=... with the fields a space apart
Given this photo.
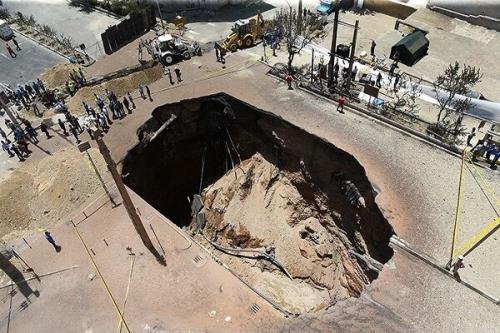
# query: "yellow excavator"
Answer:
x=245 y=33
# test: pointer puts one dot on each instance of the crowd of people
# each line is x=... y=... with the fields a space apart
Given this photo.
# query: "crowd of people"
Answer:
x=486 y=149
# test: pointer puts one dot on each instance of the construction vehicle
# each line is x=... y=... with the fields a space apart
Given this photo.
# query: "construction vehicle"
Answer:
x=245 y=33
x=172 y=49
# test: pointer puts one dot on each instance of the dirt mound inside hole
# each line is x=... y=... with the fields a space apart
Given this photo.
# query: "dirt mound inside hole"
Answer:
x=290 y=213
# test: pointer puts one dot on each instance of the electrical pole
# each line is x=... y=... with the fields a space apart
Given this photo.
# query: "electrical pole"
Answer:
x=84 y=147
x=299 y=18
x=127 y=201
x=159 y=14
x=331 y=63
x=353 y=51
x=312 y=66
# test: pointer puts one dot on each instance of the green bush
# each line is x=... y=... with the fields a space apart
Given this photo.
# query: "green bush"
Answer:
x=4 y=14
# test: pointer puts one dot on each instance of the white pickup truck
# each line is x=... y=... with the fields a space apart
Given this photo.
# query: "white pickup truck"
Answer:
x=5 y=30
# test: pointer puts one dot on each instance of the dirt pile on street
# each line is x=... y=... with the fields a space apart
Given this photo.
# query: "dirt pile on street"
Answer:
x=38 y=195
x=119 y=86
x=58 y=75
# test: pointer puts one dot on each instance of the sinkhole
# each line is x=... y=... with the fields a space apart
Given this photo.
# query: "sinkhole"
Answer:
x=291 y=214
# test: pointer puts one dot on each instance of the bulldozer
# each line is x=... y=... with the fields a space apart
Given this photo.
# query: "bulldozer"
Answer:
x=245 y=33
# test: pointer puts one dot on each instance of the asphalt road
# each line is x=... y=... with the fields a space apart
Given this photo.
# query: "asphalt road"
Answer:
x=82 y=27
x=30 y=62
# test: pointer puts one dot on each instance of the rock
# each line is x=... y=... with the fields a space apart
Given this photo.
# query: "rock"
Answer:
x=46 y=211
x=312 y=225
x=212 y=313
x=71 y=187
x=324 y=251
x=91 y=276
x=306 y=249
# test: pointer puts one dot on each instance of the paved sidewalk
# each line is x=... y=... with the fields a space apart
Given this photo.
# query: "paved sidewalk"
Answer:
x=192 y=293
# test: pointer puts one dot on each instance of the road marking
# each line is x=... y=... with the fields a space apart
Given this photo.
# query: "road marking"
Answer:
x=193 y=32
x=211 y=24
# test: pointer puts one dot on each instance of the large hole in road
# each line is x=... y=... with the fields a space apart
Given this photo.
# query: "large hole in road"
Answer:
x=290 y=213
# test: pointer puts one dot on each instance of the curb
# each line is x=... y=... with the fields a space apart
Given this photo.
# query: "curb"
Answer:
x=41 y=44
x=388 y=122
x=399 y=243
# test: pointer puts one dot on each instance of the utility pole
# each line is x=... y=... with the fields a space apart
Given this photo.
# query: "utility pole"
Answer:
x=312 y=66
x=353 y=51
x=159 y=14
x=127 y=201
x=299 y=18
x=84 y=147
x=331 y=63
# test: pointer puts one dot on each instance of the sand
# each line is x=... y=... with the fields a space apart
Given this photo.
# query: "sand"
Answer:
x=40 y=195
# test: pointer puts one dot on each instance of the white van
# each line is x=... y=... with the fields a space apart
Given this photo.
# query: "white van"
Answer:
x=5 y=31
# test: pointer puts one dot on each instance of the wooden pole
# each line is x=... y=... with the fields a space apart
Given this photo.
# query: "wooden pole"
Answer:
x=312 y=66
x=127 y=201
x=353 y=51
x=331 y=63
x=103 y=184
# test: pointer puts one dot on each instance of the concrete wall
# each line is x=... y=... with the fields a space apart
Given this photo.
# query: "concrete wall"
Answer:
x=175 y=5
x=485 y=13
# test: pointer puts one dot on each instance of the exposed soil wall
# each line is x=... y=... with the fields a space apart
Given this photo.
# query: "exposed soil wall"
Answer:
x=285 y=197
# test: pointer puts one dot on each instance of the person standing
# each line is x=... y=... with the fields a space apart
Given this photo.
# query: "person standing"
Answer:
x=493 y=164
x=379 y=80
x=6 y=147
x=289 y=80
x=148 y=92
x=35 y=108
x=222 y=54
x=341 y=102
x=131 y=99
x=178 y=74
x=32 y=134
x=372 y=49
x=11 y=52
x=14 y=147
x=126 y=104
x=471 y=136
x=217 y=52
x=458 y=265
x=141 y=91
x=40 y=84
x=63 y=127
x=45 y=129
x=169 y=74
x=74 y=131
x=396 y=82
x=16 y=44
x=51 y=240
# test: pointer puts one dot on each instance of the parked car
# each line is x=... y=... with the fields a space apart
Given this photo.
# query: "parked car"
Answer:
x=5 y=30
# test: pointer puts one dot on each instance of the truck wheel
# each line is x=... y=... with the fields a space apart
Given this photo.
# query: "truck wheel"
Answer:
x=168 y=59
x=186 y=55
x=233 y=47
x=247 y=42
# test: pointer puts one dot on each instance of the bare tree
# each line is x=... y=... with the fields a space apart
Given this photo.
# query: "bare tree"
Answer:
x=455 y=81
x=297 y=33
